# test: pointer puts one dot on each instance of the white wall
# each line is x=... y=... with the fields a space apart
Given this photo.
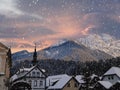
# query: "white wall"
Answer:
x=112 y=78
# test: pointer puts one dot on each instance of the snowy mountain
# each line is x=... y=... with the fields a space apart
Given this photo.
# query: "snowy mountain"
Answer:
x=92 y=47
x=103 y=42
x=71 y=50
x=22 y=55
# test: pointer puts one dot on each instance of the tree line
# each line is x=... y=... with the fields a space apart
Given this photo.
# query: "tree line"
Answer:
x=55 y=67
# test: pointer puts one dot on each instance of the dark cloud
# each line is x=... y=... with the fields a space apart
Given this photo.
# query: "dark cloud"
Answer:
x=58 y=19
x=107 y=25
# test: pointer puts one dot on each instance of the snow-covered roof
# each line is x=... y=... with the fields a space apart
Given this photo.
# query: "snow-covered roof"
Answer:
x=22 y=72
x=93 y=76
x=14 y=77
x=58 y=81
x=113 y=70
x=79 y=78
x=106 y=84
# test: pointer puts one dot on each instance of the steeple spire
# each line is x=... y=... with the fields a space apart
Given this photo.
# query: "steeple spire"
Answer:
x=34 y=62
x=9 y=57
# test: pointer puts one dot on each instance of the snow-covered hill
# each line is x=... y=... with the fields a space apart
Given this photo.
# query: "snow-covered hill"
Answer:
x=103 y=42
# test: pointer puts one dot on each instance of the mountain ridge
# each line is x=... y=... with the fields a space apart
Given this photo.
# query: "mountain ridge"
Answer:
x=70 y=50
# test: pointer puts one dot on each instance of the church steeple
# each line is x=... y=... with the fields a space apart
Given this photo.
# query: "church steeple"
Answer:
x=9 y=57
x=34 y=61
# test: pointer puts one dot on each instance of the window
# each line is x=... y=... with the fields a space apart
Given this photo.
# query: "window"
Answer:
x=33 y=73
x=76 y=85
x=24 y=79
x=35 y=68
x=68 y=85
x=41 y=83
x=38 y=73
x=42 y=75
x=30 y=82
x=29 y=74
x=112 y=77
x=35 y=83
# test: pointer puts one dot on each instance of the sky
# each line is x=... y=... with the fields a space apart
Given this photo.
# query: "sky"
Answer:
x=45 y=22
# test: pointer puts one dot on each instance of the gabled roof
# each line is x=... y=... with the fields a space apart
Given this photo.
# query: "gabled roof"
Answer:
x=3 y=46
x=23 y=72
x=93 y=76
x=105 y=84
x=60 y=81
x=113 y=70
x=79 y=78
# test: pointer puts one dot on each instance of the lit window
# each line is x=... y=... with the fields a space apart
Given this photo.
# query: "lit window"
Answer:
x=35 y=83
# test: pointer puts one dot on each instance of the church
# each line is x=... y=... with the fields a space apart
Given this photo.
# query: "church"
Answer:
x=5 y=64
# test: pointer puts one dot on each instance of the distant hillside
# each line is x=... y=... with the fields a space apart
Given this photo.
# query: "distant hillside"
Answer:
x=68 y=50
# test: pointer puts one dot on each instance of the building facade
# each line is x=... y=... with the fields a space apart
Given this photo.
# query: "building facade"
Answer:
x=33 y=78
x=4 y=67
x=112 y=75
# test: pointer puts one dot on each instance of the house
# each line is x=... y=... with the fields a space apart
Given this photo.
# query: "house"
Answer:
x=33 y=78
x=62 y=82
x=112 y=75
x=79 y=78
x=4 y=66
x=116 y=86
x=110 y=80
x=103 y=85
